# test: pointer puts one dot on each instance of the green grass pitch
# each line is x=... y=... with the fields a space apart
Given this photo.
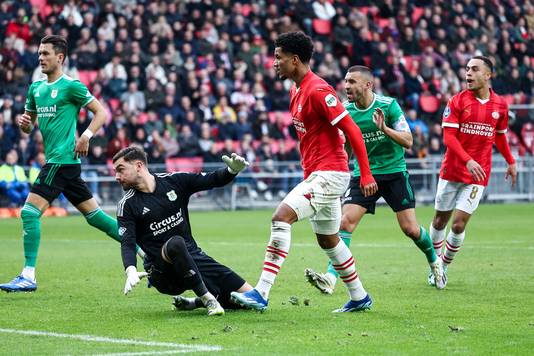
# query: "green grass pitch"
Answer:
x=79 y=308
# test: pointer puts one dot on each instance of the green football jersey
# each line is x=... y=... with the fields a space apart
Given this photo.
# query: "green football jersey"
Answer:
x=57 y=106
x=385 y=155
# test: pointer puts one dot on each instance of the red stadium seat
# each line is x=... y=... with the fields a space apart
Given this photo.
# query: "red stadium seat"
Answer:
x=527 y=136
x=429 y=103
x=322 y=27
x=509 y=98
x=87 y=77
x=287 y=119
x=416 y=14
x=383 y=23
x=114 y=104
x=184 y=164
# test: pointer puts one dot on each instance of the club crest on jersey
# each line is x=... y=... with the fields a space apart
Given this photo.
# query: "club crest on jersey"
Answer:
x=53 y=95
x=330 y=100
x=299 y=108
x=495 y=115
x=172 y=195
x=447 y=111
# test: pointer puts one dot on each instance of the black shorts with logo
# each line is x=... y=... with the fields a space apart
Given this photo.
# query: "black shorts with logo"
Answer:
x=219 y=279
x=55 y=178
x=395 y=188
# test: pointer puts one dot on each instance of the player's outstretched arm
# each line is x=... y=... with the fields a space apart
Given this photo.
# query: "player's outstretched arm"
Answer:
x=99 y=118
x=26 y=121
x=235 y=163
x=502 y=145
x=354 y=136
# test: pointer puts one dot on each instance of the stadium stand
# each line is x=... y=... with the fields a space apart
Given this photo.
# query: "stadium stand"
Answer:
x=203 y=51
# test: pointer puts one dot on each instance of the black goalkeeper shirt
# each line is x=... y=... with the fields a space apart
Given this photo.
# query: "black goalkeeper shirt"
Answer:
x=150 y=219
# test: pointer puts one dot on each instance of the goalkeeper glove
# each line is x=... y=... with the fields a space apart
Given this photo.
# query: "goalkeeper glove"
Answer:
x=235 y=163
x=132 y=278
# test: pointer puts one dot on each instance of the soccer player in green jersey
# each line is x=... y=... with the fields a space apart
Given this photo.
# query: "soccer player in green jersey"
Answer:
x=54 y=103
x=386 y=134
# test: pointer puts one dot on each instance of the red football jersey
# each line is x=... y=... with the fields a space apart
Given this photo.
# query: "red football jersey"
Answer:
x=477 y=123
x=316 y=110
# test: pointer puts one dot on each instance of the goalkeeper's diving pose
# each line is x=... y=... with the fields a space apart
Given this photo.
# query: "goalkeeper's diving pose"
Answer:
x=153 y=213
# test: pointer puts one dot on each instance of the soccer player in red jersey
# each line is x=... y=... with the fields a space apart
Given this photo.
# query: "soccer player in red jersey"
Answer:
x=318 y=116
x=473 y=120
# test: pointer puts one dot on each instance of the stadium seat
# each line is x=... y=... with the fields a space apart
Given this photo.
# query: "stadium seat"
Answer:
x=87 y=77
x=407 y=61
x=322 y=27
x=383 y=23
x=287 y=119
x=268 y=64
x=142 y=118
x=184 y=164
x=417 y=12
x=509 y=98
x=114 y=104
x=527 y=136
x=429 y=103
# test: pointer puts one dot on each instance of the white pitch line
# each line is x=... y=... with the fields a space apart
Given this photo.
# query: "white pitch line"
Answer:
x=90 y=338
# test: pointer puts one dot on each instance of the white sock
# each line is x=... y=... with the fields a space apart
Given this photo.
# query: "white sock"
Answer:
x=331 y=278
x=206 y=298
x=452 y=246
x=28 y=273
x=343 y=263
x=438 y=238
x=275 y=255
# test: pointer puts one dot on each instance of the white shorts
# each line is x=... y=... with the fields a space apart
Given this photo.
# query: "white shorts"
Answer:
x=319 y=198
x=464 y=197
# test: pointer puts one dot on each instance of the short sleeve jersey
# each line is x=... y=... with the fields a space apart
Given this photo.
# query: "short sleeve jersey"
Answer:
x=385 y=155
x=316 y=109
x=57 y=106
x=477 y=123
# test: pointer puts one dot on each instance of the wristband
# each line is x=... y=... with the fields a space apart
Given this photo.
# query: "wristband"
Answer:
x=88 y=133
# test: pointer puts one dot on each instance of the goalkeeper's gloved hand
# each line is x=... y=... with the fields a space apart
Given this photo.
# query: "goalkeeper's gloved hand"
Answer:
x=132 y=278
x=235 y=163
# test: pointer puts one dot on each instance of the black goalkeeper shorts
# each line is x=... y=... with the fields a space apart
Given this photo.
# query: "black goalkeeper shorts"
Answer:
x=219 y=279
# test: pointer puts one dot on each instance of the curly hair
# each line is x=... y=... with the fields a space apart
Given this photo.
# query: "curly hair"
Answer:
x=296 y=43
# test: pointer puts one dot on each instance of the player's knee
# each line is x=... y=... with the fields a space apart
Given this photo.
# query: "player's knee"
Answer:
x=439 y=222
x=411 y=231
x=175 y=246
x=30 y=216
x=347 y=224
x=458 y=227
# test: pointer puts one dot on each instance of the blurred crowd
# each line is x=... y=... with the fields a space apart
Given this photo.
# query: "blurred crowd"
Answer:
x=195 y=79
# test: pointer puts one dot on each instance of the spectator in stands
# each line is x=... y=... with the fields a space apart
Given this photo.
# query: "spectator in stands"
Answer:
x=414 y=122
x=134 y=99
x=13 y=180
x=188 y=142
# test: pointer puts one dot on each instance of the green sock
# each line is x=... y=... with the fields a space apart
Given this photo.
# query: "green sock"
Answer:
x=425 y=244
x=346 y=237
x=31 y=227
x=104 y=223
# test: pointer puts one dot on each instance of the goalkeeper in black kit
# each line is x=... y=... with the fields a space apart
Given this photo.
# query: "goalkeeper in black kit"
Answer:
x=153 y=214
